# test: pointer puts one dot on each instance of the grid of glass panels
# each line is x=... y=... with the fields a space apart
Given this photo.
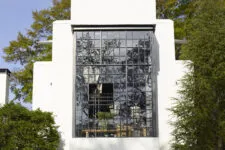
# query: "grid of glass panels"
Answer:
x=114 y=84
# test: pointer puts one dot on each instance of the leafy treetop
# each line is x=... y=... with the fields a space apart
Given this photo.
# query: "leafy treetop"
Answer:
x=26 y=50
x=21 y=128
x=199 y=110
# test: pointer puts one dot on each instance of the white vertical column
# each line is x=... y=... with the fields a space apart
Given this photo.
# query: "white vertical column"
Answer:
x=63 y=78
x=4 y=86
x=165 y=37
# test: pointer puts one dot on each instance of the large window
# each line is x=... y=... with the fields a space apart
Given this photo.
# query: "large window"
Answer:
x=114 y=84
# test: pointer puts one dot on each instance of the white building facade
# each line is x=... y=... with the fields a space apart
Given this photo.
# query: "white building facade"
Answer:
x=112 y=76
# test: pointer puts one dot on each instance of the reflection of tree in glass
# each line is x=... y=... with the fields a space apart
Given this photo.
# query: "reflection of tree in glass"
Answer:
x=138 y=76
x=87 y=50
x=108 y=50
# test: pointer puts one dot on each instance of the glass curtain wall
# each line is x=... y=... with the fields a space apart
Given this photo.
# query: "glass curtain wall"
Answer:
x=114 y=84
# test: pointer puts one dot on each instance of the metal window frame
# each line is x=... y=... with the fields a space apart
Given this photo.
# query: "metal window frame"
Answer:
x=116 y=28
x=124 y=27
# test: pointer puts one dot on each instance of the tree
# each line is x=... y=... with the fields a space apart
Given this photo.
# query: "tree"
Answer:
x=181 y=12
x=21 y=128
x=26 y=50
x=199 y=110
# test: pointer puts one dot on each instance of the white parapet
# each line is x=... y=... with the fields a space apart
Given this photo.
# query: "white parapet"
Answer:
x=4 y=86
x=93 y=12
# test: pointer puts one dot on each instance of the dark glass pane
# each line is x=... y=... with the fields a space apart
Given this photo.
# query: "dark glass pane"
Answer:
x=91 y=35
x=97 y=35
x=139 y=35
x=122 y=43
x=113 y=35
x=86 y=35
x=116 y=51
x=129 y=35
x=129 y=43
x=122 y=51
x=122 y=35
x=104 y=34
x=79 y=35
x=116 y=60
x=135 y=43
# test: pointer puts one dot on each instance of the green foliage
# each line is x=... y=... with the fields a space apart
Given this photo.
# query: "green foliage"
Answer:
x=181 y=12
x=26 y=50
x=21 y=128
x=177 y=10
x=105 y=115
x=199 y=110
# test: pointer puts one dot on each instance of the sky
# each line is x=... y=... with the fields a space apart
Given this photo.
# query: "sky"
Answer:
x=16 y=16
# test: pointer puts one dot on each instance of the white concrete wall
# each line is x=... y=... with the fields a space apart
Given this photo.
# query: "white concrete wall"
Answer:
x=53 y=81
x=92 y=12
x=114 y=144
x=4 y=88
x=43 y=86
